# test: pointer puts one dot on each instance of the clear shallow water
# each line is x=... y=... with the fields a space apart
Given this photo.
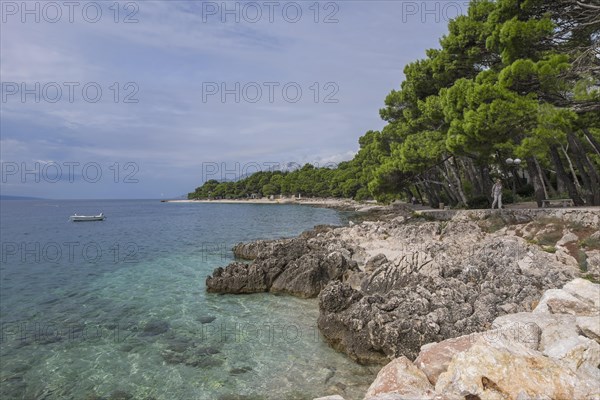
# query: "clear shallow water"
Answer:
x=120 y=306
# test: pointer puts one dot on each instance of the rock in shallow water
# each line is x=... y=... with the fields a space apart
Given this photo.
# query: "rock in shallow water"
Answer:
x=422 y=282
x=120 y=395
x=155 y=327
x=301 y=266
x=239 y=370
x=206 y=319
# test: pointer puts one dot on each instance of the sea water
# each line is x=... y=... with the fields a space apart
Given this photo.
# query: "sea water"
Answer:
x=118 y=309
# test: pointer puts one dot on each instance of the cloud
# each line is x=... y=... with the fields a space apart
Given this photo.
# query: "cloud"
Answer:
x=169 y=54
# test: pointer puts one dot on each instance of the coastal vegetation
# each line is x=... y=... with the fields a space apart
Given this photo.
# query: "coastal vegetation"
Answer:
x=512 y=80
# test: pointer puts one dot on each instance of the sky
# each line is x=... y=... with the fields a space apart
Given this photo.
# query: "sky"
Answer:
x=148 y=99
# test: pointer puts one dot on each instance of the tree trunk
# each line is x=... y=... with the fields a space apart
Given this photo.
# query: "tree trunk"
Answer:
x=561 y=186
x=562 y=175
x=550 y=191
x=434 y=197
x=487 y=187
x=431 y=196
x=591 y=178
x=578 y=162
x=474 y=176
x=592 y=140
x=419 y=196
x=448 y=187
x=536 y=180
x=453 y=171
x=409 y=194
x=542 y=176
x=573 y=174
x=450 y=194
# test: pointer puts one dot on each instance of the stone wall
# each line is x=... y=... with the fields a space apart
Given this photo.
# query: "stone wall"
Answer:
x=585 y=216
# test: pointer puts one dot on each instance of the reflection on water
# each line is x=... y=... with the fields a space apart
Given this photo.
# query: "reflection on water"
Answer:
x=136 y=322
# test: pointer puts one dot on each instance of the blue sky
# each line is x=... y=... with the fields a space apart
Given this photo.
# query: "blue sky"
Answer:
x=161 y=119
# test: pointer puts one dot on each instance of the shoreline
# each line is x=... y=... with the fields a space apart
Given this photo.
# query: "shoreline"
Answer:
x=334 y=203
x=451 y=274
x=347 y=204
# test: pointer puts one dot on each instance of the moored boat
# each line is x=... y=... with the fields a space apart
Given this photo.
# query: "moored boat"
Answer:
x=81 y=218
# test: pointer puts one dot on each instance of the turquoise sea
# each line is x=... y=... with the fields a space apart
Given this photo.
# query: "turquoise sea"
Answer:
x=118 y=309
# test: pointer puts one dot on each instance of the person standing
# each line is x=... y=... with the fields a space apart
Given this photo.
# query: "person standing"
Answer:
x=497 y=194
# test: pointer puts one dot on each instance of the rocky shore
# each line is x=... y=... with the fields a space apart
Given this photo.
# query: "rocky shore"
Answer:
x=427 y=292
x=549 y=353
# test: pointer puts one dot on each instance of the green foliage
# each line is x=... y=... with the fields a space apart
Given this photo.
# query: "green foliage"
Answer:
x=492 y=224
x=507 y=197
x=550 y=236
x=590 y=243
x=478 y=202
x=308 y=181
x=525 y=191
x=582 y=261
x=512 y=78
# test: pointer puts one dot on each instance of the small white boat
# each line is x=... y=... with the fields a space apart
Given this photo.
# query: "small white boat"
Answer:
x=81 y=218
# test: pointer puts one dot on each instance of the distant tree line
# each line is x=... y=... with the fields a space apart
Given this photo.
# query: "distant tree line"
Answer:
x=511 y=79
x=308 y=181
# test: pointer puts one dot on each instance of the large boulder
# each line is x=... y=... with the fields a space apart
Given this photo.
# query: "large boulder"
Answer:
x=585 y=291
x=559 y=301
x=577 y=351
x=403 y=378
x=420 y=298
x=527 y=355
x=593 y=264
x=514 y=372
x=435 y=358
x=301 y=266
x=250 y=250
x=554 y=327
x=238 y=278
x=309 y=274
x=347 y=333
x=589 y=327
